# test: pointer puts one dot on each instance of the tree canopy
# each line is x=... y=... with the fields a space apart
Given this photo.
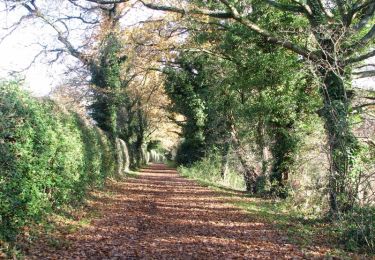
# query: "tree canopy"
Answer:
x=262 y=88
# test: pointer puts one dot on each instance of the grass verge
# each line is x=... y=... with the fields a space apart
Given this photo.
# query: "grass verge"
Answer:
x=311 y=233
x=52 y=232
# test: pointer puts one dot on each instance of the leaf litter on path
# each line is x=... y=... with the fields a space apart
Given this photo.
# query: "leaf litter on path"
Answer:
x=160 y=215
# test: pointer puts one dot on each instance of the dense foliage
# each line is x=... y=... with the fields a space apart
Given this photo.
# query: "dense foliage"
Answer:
x=258 y=106
x=106 y=77
x=186 y=87
x=49 y=158
x=247 y=100
x=258 y=90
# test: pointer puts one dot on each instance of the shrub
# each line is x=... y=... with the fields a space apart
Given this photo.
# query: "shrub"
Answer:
x=208 y=170
x=358 y=229
x=190 y=151
x=49 y=157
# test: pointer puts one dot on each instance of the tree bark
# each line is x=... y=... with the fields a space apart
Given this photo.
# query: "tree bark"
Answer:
x=140 y=140
x=260 y=139
x=225 y=159
x=341 y=141
x=250 y=174
x=283 y=151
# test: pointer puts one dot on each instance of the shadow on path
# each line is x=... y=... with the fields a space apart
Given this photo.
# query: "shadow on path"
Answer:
x=160 y=215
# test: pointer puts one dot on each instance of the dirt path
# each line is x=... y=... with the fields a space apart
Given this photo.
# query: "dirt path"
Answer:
x=160 y=215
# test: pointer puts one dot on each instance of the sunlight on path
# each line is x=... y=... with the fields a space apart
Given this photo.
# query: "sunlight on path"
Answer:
x=160 y=215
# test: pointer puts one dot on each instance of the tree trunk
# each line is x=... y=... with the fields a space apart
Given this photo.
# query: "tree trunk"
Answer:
x=283 y=152
x=225 y=159
x=140 y=136
x=119 y=158
x=342 y=143
x=138 y=151
x=260 y=139
x=250 y=174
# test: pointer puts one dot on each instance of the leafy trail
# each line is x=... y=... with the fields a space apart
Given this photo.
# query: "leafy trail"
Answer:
x=161 y=215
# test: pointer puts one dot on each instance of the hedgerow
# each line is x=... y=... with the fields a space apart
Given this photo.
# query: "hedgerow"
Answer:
x=49 y=157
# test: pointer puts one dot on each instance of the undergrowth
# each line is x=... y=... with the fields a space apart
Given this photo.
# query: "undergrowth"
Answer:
x=208 y=169
x=351 y=234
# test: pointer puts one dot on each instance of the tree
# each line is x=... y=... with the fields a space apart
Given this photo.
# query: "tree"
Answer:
x=104 y=55
x=185 y=86
x=342 y=36
x=104 y=67
x=331 y=36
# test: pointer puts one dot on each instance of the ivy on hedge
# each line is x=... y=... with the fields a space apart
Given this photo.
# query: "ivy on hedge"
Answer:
x=49 y=157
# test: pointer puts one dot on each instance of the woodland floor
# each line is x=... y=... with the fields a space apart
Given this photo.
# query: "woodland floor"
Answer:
x=160 y=215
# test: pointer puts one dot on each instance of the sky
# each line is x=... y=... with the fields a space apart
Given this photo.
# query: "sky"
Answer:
x=18 y=50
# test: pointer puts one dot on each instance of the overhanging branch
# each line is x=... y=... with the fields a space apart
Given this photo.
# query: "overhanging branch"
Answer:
x=364 y=74
x=216 y=14
x=361 y=57
x=233 y=13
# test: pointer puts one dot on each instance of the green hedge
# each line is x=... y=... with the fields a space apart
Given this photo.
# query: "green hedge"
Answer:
x=49 y=157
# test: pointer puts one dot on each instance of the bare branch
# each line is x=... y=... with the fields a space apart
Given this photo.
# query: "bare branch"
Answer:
x=361 y=57
x=84 y=8
x=364 y=105
x=61 y=36
x=80 y=17
x=13 y=72
x=107 y=2
x=14 y=27
x=216 y=14
x=234 y=14
x=58 y=53
x=364 y=74
x=365 y=65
